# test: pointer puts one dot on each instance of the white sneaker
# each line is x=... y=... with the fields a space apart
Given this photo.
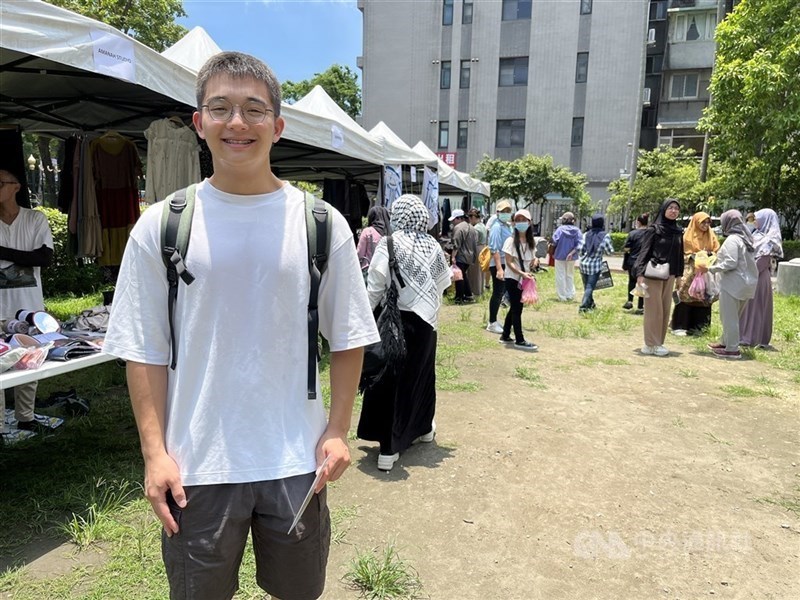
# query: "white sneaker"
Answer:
x=660 y=351
x=386 y=461
x=494 y=327
x=679 y=332
x=648 y=350
x=428 y=437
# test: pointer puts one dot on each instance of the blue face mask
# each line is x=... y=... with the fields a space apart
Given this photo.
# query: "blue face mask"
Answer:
x=504 y=217
x=522 y=227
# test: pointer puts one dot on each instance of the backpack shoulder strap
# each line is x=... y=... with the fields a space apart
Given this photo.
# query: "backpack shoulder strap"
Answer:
x=318 y=235
x=176 y=227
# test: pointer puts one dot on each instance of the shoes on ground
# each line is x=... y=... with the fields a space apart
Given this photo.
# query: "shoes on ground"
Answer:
x=648 y=350
x=386 y=461
x=627 y=305
x=660 y=351
x=639 y=311
x=494 y=327
x=723 y=353
x=523 y=345
x=679 y=332
x=33 y=426
x=715 y=346
x=584 y=309
x=428 y=437
x=505 y=340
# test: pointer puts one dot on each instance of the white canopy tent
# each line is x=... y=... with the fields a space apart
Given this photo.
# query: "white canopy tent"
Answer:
x=61 y=72
x=193 y=49
x=396 y=151
x=451 y=177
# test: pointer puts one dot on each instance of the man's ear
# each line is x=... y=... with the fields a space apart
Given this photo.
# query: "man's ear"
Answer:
x=197 y=121
x=280 y=124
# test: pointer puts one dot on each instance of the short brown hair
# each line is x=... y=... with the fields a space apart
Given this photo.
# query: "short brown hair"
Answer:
x=238 y=66
x=474 y=212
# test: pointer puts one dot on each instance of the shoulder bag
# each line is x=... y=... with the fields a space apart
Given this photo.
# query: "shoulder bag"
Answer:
x=388 y=355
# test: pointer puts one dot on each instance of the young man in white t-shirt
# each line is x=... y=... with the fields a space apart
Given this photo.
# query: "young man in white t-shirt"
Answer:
x=26 y=245
x=230 y=440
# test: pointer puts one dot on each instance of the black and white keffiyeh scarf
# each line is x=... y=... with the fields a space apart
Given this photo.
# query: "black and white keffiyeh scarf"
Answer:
x=419 y=257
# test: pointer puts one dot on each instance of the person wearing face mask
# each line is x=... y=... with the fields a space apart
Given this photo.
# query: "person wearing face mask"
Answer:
x=662 y=244
x=520 y=257
x=567 y=238
x=595 y=243
x=499 y=231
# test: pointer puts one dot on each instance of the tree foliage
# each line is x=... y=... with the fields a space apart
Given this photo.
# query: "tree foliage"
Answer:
x=531 y=177
x=151 y=22
x=340 y=83
x=755 y=113
x=665 y=173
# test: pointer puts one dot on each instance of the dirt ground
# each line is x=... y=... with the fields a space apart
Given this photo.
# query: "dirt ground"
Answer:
x=616 y=476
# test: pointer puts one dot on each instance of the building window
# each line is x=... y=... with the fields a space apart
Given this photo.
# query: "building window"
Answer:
x=582 y=67
x=653 y=64
x=586 y=7
x=684 y=86
x=466 y=12
x=444 y=79
x=686 y=138
x=447 y=12
x=463 y=134
x=658 y=10
x=510 y=134
x=649 y=117
x=444 y=134
x=513 y=71
x=697 y=27
x=516 y=10
x=463 y=80
x=577 y=131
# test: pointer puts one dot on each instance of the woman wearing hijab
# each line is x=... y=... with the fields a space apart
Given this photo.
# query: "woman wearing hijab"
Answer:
x=690 y=316
x=738 y=279
x=662 y=244
x=596 y=242
x=755 y=325
x=377 y=227
x=399 y=409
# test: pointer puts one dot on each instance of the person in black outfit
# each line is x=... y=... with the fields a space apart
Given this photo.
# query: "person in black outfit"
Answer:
x=662 y=243
x=633 y=244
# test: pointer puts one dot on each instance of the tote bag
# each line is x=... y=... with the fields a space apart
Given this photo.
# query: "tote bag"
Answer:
x=605 y=280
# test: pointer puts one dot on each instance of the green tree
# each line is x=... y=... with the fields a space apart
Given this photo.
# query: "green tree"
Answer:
x=340 y=83
x=667 y=173
x=755 y=113
x=530 y=177
x=151 y=22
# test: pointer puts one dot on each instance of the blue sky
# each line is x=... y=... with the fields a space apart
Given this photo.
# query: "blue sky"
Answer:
x=297 y=38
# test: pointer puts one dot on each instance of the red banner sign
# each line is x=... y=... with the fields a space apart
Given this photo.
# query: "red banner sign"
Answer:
x=448 y=158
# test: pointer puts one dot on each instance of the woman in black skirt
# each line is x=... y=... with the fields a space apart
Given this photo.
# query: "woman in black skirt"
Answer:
x=399 y=409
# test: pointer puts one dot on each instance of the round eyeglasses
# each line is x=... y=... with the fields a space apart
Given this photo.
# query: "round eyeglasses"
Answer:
x=253 y=112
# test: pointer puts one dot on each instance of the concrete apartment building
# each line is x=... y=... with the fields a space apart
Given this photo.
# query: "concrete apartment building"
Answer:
x=510 y=77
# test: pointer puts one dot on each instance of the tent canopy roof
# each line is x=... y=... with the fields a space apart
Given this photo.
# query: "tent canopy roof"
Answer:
x=451 y=177
x=395 y=150
x=49 y=80
x=193 y=49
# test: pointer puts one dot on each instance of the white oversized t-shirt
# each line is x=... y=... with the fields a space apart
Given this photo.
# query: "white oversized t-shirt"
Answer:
x=510 y=249
x=237 y=408
x=21 y=287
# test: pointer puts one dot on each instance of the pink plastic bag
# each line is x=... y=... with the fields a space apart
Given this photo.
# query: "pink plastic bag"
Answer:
x=458 y=275
x=698 y=288
x=529 y=293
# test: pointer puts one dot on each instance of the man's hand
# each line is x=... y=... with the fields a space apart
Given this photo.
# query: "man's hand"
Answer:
x=500 y=274
x=161 y=475
x=640 y=279
x=332 y=445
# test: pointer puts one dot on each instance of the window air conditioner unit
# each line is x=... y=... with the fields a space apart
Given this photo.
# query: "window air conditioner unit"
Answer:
x=646 y=97
x=651 y=37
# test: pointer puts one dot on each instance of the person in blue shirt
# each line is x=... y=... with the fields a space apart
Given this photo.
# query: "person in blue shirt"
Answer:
x=499 y=232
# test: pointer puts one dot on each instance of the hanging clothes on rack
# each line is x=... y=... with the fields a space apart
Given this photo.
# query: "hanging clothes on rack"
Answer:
x=173 y=158
x=116 y=167
x=88 y=226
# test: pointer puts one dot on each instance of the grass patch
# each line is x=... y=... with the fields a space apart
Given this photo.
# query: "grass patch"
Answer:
x=678 y=422
x=529 y=374
x=688 y=373
x=64 y=307
x=342 y=518
x=383 y=575
x=93 y=525
x=789 y=503
x=739 y=391
x=593 y=361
